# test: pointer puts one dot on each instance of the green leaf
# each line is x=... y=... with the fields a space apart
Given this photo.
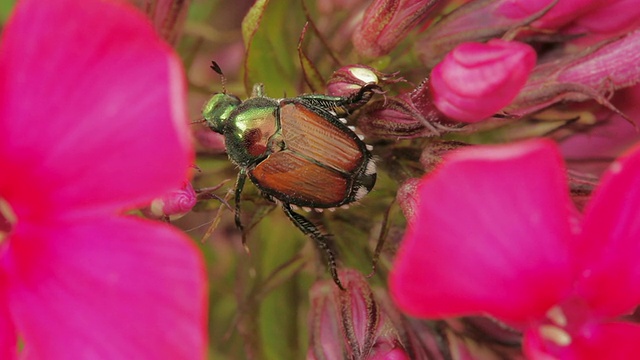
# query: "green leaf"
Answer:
x=5 y=10
x=270 y=32
x=279 y=320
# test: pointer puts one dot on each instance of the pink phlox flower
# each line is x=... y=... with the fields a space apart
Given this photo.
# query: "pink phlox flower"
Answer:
x=92 y=123
x=496 y=233
x=476 y=80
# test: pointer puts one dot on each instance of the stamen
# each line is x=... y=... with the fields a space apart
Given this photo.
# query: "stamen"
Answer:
x=557 y=316
x=8 y=219
x=555 y=335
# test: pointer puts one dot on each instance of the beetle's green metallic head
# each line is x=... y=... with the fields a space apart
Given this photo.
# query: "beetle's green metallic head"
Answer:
x=217 y=110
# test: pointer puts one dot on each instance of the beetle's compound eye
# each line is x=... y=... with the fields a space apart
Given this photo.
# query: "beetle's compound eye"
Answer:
x=217 y=110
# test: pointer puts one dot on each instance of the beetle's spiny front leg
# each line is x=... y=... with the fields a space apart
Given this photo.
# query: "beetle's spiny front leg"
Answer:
x=322 y=241
x=242 y=177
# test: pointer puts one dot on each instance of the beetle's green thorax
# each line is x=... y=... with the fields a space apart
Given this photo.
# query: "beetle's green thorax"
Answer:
x=249 y=130
x=217 y=110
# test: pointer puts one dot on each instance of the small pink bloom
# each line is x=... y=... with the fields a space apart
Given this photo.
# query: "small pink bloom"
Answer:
x=387 y=22
x=173 y=205
x=92 y=123
x=476 y=80
x=509 y=243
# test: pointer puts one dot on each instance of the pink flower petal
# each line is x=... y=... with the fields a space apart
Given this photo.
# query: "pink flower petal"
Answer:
x=8 y=338
x=611 y=280
x=609 y=341
x=91 y=106
x=490 y=236
x=612 y=136
x=616 y=341
x=107 y=288
x=475 y=80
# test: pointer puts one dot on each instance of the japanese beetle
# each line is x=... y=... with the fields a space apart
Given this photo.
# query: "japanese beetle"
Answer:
x=297 y=151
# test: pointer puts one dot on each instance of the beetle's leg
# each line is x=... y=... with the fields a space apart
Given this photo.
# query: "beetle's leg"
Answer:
x=242 y=177
x=360 y=98
x=341 y=106
x=324 y=244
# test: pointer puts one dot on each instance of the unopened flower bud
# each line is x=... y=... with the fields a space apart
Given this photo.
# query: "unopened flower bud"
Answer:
x=174 y=204
x=407 y=198
x=478 y=21
x=386 y=22
x=610 y=19
x=167 y=16
x=350 y=324
x=591 y=74
x=475 y=80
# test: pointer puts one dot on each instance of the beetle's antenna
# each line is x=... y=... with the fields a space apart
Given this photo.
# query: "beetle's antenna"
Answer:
x=215 y=67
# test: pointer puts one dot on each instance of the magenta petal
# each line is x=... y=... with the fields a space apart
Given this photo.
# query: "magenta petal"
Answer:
x=614 y=340
x=108 y=288
x=8 y=338
x=490 y=235
x=609 y=341
x=611 y=278
x=91 y=105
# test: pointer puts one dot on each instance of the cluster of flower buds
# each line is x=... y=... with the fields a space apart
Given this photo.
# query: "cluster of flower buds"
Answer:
x=506 y=58
x=492 y=229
